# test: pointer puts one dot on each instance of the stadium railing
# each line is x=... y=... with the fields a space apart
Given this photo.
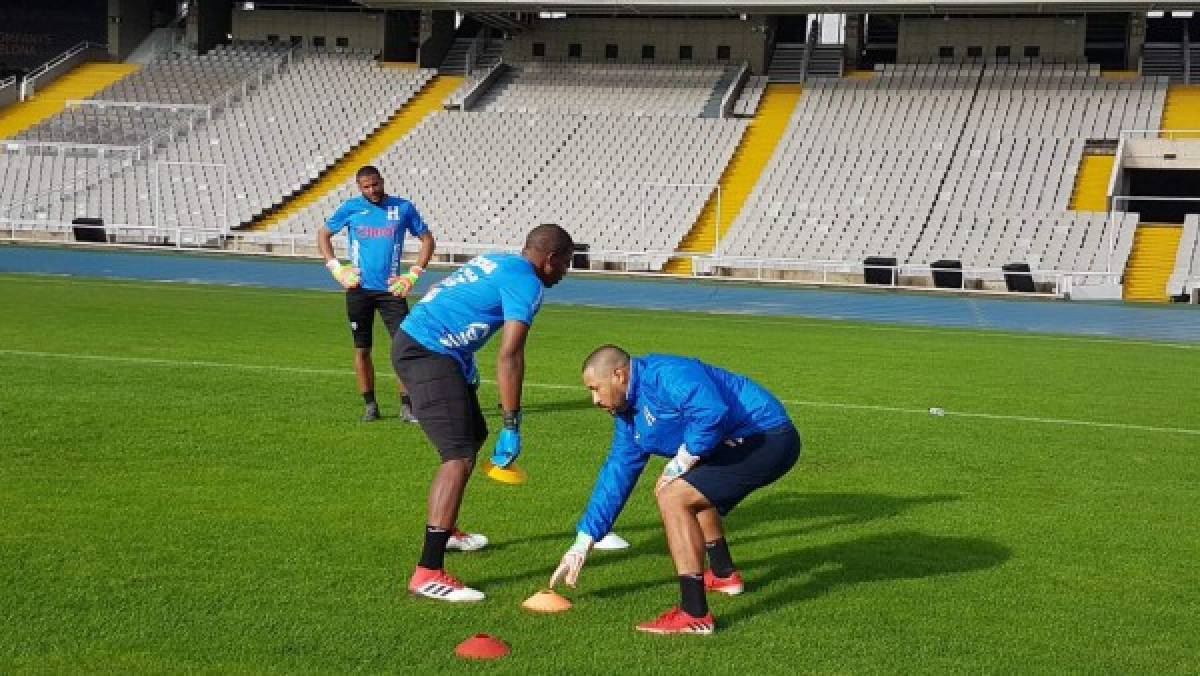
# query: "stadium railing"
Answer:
x=474 y=88
x=60 y=64
x=640 y=264
x=903 y=275
x=735 y=89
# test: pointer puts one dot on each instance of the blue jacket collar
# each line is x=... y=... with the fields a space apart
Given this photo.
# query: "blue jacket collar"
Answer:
x=631 y=394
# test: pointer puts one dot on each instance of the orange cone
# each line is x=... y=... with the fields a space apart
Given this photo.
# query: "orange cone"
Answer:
x=547 y=601
x=482 y=647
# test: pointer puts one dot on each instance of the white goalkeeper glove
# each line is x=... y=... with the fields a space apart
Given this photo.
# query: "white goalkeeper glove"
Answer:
x=346 y=275
x=572 y=562
x=677 y=467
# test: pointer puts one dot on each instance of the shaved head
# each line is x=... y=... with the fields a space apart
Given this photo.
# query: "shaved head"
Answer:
x=606 y=373
x=604 y=359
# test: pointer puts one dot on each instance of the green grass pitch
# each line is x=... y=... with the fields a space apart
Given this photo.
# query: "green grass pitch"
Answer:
x=185 y=486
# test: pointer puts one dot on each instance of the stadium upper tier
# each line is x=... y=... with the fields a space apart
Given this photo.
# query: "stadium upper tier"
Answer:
x=278 y=136
x=659 y=89
x=970 y=162
x=137 y=107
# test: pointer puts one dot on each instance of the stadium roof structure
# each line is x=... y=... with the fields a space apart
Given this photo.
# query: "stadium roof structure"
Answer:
x=733 y=7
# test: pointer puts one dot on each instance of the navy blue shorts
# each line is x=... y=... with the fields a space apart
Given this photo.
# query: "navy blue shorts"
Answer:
x=735 y=470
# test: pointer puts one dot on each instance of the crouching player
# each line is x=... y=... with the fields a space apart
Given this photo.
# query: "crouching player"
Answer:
x=726 y=436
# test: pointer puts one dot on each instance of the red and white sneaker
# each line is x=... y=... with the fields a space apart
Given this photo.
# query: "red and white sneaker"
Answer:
x=676 y=621
x=439 y=585
x=731 y=585
x=466 y=542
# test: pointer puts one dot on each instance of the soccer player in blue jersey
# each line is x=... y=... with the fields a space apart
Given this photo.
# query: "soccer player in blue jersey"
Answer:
x=725 y=435
x=434 y=354
x=375 y=224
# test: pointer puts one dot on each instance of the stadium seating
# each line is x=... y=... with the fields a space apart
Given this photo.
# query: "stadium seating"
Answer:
x=963 y=161
x=487 y=178
x=751 y=96
x=281 y=134
x=1186 y=276
x=638 y=89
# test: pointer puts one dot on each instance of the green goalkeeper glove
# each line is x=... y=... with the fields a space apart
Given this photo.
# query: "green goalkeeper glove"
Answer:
x=346 y=275
x=403 y=284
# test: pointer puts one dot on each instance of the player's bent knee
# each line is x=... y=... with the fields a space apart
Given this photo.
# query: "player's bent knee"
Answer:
x=679 y=495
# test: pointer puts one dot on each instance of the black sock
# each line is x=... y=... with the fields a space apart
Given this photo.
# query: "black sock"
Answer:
x=691 y=589
x=433 y=556
x=719 y=558
x=405 y=400
x=369 y=397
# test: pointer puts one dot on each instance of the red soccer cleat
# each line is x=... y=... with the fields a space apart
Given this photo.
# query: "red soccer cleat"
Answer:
x=676 y=621
x=731 y=585
x=439 y=585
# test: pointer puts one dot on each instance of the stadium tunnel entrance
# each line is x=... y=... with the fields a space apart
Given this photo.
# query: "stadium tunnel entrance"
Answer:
x=1163 y=183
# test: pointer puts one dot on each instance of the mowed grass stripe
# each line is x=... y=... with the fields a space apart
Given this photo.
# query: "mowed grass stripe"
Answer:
x=554 y=386
x=175 y=518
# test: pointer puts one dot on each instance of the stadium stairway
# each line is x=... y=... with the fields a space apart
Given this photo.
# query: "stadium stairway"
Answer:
x=426 y=102
x=1182 y=110
x=1091 y=183
x=80 y=83
x=1151 y=262
x=740 y=176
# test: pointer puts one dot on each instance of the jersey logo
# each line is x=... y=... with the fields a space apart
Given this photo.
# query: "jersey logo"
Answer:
x=393 y=213
x=476 y=331
x=650 y=419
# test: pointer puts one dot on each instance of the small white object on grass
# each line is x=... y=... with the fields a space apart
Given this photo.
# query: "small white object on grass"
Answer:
x=611 y=541
x=937 y=411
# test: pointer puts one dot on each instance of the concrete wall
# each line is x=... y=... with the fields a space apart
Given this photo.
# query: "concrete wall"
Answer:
x=129 y=22
x=363 y=30
x=10 y=93
x=746 y=39
x=1060 y=38
x=1161 y=154
x=34 y=31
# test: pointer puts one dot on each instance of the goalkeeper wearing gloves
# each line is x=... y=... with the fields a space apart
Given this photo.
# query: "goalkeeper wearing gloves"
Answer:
x=375 y=225
x=725 y=436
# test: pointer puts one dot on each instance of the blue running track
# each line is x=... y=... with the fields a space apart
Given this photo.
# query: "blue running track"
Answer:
x=1179 y=324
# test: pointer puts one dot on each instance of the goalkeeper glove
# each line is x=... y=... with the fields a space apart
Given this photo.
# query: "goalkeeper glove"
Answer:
x=677 y=467
x=572 y=562
x=402 y=285
x=348 y=276
x=508 y=444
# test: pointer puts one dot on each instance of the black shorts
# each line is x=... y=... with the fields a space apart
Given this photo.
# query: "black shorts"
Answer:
x=735 y=470
x=446 y=406
x=360 y=310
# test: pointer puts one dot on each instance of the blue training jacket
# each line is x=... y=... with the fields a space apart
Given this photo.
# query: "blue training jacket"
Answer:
x=675 y=401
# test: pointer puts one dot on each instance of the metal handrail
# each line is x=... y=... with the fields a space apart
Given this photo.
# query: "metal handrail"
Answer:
x=739 y=79
x=1064 y=282
x=32 y=76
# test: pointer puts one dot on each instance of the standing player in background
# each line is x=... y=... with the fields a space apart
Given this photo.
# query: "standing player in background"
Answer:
x=725 y=435
x=434 y=353
x=375 y=223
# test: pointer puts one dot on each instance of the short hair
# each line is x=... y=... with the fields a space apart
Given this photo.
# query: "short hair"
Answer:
x=367 y=170
x=606 y=357
x=550 y=238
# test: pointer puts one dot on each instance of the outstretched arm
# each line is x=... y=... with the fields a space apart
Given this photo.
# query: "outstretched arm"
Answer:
x=510 y=365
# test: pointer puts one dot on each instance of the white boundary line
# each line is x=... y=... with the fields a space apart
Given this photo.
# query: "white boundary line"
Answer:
x=832 y=323
x=152 y=361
